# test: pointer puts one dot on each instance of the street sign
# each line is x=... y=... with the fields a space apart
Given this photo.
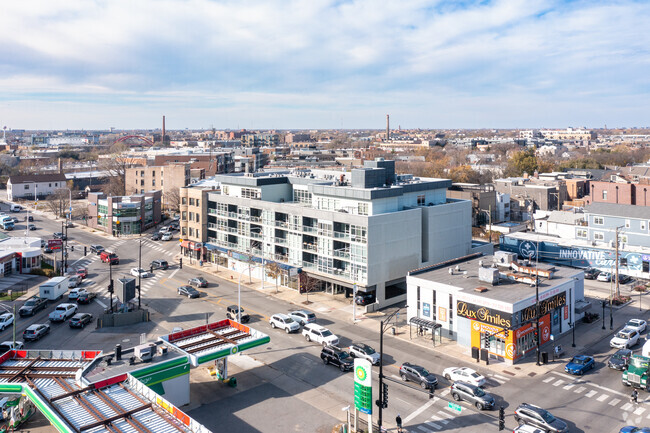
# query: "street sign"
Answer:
x=363 y=385
x=454 y=406
x=55 y=244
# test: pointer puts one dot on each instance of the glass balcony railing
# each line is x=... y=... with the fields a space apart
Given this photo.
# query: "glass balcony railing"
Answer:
x=309 y=247
x=309 y=229
x=341 y=235
x=342 y=254
x=281 y=241
x=255 y=235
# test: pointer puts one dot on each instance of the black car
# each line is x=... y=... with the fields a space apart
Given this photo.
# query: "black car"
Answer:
x=364 y=298
x=231 y=313
x=620 y=359
x=69 y=224
x=473 y=394
x=159 y=264
x=416 y=373
x=538 y=417
x=335 y=356
x=591 y=273
x=59 y=235
x=80 y=320
x=30 y=218
x=86 y=298
x=155 y=236
x=198 y=282
x=32 y=227
x=97 y=249
x=624 y=279
x=48 y=250
x=32 y=306
x=36 y=332
x=189 y=291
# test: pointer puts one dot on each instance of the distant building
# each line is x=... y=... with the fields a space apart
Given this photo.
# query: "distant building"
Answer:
x=483 y=198
x=213 y=163
x=167 y=178
x=575 y=134
x=32 y=186
x=124 y=215
x=296 y=137
x=257 y=140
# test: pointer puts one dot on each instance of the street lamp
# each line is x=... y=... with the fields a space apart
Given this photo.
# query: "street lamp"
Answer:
x=4 y=307
x=383 y=327
x=250 y=268
x=603 y=314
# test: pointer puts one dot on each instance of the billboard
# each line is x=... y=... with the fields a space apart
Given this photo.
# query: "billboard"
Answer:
x=55 y=244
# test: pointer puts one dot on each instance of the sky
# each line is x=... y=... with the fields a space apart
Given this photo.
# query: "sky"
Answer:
x=317 y=64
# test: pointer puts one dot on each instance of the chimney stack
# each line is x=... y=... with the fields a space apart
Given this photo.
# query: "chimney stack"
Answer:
x=162 y=139
x=60 y=166
x=387 y=127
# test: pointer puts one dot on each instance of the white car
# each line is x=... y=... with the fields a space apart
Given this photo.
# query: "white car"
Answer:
x=6 y=320
x=140 y=272
x=319 y=334
x=285 y=322
x=463 y=374
x=9 y=345
x=167 y=236
x=303 y=316
x=625 y=338
x=63 y=312
x=363 y=351
x=604 y=276
x=74 y=294
x=74 y=281
x=637 y=324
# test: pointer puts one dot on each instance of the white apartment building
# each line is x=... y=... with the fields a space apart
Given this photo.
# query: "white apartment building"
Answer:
x=33 y=186
x=368 y=231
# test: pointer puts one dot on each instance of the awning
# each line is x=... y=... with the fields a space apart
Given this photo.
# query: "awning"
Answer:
x=582 y=306
x=195 y=246
x=185 y=244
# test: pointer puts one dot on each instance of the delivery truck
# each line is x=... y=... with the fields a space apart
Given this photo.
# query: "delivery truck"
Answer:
x=54 y=288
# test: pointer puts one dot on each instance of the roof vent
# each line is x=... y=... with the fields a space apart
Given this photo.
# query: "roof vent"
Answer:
x=451 y=271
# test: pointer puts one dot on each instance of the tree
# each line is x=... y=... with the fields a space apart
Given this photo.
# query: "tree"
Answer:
x=308 y=285
x=57 y=202
x=173 y=200
x=274 y=270
x=115 y=166
x=522 y=162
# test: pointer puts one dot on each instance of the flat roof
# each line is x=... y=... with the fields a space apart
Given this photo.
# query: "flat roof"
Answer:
x=466 y=280
x=574 y=243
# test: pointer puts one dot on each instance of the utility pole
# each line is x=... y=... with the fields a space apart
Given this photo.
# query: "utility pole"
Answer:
x=139 y=268
x=618 y=289
x=62 y=251
x=537 y=302
x=490 y=221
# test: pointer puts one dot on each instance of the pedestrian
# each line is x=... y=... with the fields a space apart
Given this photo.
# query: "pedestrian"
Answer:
x=398 y=421
x=634 y=397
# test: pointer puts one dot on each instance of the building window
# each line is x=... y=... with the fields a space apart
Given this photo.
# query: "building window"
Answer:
x=599 y=236
x=153 y=173
x=581 y=233
x=184 y=216
x=623 y=261
x=191 y=216
x=153 y=182
x=198 y=217
x=50 y=185
x=141 y=182
x=197 y=202
x=642 y=225
x=604 y=194
x=142 y=191
x=184 y=231
x=599 y=220
x=56 y=183
x=363 y=208
x=191 y=202
x=26 y=186
x=162 y=181
x=251 y=193
x=191 y=231
x=184 y=200
x=141 y=172
x=421 y=200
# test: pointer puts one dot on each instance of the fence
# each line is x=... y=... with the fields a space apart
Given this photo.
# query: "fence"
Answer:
x=109 y=320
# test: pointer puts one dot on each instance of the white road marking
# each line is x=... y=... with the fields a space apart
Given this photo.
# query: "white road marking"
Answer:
x=548 y=379
x=444 y=392
x=501 y=377
x=424 y=429
x=100 y=303
x=569 y=386
x=591 y=394
x=603 y=397
x=614 y=401
x=559 y=382
x=602 y=388
x=418 y=411
x=433 y=424
x=627 y=406
x=639 y=411
x=579 y=390
x=174 y=273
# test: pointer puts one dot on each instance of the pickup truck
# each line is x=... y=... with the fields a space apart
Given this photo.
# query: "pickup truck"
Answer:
x=62 y=312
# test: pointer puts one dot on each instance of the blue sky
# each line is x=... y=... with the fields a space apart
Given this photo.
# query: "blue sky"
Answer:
x=323 y=64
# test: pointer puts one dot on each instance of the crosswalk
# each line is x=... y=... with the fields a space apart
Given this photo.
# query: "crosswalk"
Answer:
x=601 y=394
x=441 y=419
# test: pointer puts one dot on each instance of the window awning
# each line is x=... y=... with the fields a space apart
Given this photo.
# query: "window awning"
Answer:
x=185 y=244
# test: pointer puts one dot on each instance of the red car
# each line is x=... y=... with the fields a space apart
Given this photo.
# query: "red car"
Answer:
x=82 y=273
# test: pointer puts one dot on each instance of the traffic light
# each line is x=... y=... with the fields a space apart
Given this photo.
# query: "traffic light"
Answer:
x=502 y=418
x=72 y=248
x=85 y=251
x=486 y=337
x=180 y=263
x=506 y=333
x=384 y=401
x=535 y=334
x=110 y=287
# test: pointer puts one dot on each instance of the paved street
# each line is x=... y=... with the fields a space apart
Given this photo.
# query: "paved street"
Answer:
x=285 y=386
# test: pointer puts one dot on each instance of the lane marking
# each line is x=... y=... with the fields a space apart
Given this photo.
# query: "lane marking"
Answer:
x=559 y=382
x=603 y=397
x=627 y=406
x=101 y=303
x=424 y=429
x=639 y=411
x=433 y=424
x=591 y=393
x=418 y=411
x=580 y=390
x=174 y=273
x=548 y=379
x=614 y=401
x=602 y=388
x=569 y=386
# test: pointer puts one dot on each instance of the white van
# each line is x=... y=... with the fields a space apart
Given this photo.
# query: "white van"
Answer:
x=16 y=208
x=645 y=351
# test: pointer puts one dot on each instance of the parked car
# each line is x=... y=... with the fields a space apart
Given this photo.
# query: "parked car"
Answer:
x=472 y=394
x=416 y=373
x=30 y=218
x=43 y=243
x=633 y=429
x=189 y=291
x=620 y=359
x=96 y=249
x=155 y=236
x=364 y=298
x=198 y=282
x=69 y=224
x=591 y=273
x=363 y=351
x=62 y=312
x=604 y=276
x=59 y=235
x=74 y=281
x=232 y=313
x=73 y=295
x=303 y=316
x=580 y=364
x=335 y=356
x=638 y=325
x=624 y=339
x=6 y=346
x=463 y=374
x=6 y=320
x=624 y=279
x=32 y=306
x=36 y=332
x=80 y=320
x=159 y=264
x=536 y=416
x=86 y=298
x=139 y=272
x=285 y=322
x=319 y=334
x=82 y=272
x=167 y=236
x=32 y=227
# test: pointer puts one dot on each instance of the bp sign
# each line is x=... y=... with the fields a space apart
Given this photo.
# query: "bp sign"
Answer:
x=363 y=385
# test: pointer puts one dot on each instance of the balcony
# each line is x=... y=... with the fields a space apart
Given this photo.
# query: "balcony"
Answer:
x=255 y=235
x=341 y=235
x=308 y=265
x=282 y=224
x=281 y=241
x=344 y=254
x=232 y=214
x=212 y=211
x=280 y=258
x=309 y=229
x=255 y=219
x=309 y=247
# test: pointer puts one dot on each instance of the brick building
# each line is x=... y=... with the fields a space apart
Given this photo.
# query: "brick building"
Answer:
x=213 y=163
x=168 y=178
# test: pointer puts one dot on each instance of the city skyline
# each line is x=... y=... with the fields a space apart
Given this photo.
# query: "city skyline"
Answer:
x=323 y=64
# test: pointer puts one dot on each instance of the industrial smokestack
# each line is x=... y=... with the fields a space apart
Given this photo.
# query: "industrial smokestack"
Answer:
x=387 y=127
x=163 y=132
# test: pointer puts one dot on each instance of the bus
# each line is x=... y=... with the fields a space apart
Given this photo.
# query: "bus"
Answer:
x=6 y=222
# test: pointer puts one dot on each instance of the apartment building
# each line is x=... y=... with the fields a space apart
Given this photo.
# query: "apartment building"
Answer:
x=483 y=198
x=365 y=228
x=194 y=216
x=212 y=162
x=262 y=139
x=168 y=178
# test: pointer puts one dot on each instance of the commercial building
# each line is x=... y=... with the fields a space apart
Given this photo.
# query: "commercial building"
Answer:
x=365 y=228
x=475 y=300
x=124 y=215
x=167 y=178
x=31 y=186
x=194 y=217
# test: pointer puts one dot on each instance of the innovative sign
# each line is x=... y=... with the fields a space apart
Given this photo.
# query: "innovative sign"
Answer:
x=484 y=314
x=363 y=385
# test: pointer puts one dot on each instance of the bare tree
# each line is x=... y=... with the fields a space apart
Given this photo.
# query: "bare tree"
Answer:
x=308 y=285
x=115 y=166
x=114 y=186
x=274 y=270
x=173 y=200
x=57 y=202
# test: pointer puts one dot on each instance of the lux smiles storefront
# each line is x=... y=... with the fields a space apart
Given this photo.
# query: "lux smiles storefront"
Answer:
x=500 y=317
